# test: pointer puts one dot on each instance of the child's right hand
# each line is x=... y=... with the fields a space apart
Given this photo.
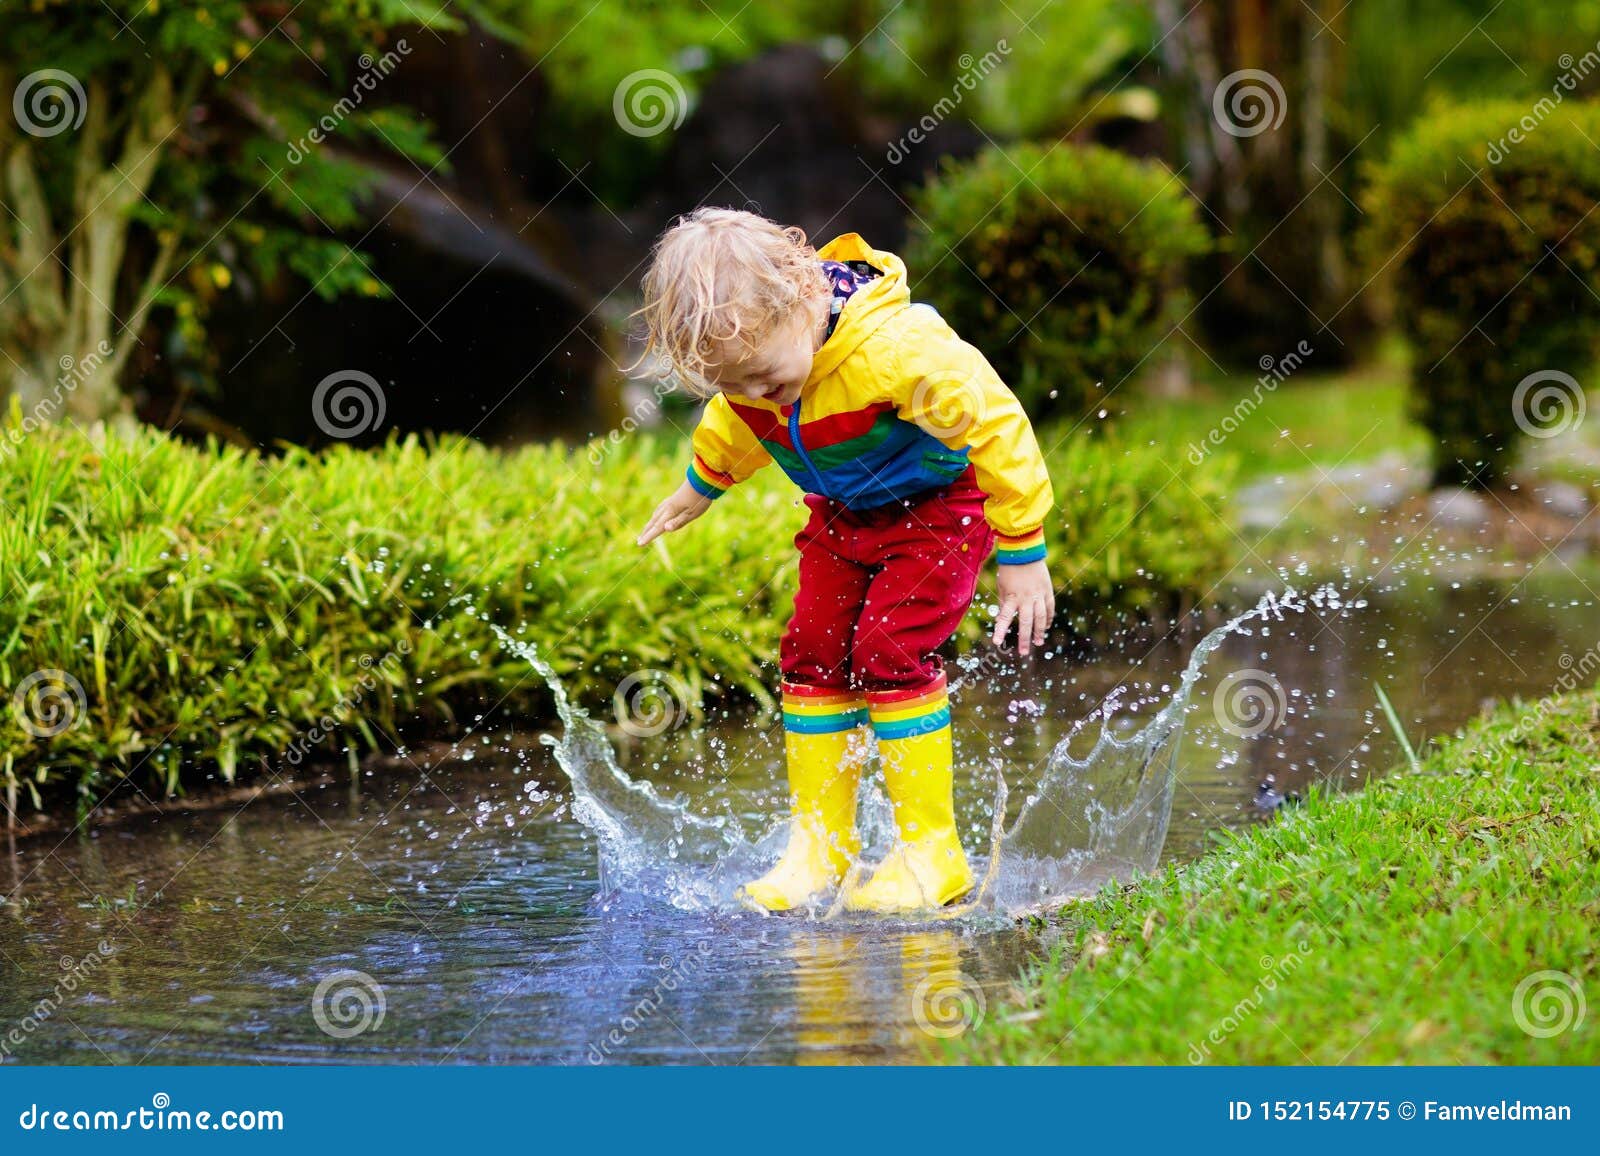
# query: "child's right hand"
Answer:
x=682 y=506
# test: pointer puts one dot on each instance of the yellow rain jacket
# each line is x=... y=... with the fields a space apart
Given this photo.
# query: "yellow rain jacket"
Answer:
x=896 y=405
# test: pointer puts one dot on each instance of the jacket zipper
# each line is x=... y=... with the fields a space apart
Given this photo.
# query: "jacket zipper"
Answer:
x=794 y=436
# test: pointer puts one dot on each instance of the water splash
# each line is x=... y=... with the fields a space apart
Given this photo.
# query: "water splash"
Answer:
x=648 y=845
x=1088 y=820
x=1104 y=816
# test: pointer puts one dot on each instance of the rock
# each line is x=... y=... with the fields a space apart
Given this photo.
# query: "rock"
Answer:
x=1563 y=498
x=1458 y=508
x=1381 y=484
x=1262 y=505
x=1573 y=551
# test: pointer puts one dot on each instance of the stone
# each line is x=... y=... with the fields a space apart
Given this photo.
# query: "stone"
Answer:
x=1458 y=508
x=1563 y=498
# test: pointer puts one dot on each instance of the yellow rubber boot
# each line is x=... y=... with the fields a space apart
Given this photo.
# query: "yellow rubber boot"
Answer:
x=927 y=867
x=825 y=741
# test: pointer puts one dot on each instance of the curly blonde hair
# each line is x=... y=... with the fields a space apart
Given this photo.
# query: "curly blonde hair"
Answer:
x=719 y=276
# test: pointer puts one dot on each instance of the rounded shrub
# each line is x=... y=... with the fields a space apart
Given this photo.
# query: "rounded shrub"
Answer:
x=1061 y=263
x=1482 y=220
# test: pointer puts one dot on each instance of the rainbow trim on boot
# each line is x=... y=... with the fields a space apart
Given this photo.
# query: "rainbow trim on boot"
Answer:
x=906 y=714
x=816 y=711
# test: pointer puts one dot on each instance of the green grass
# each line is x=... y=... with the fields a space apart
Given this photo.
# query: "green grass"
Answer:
x=1306 y=421
x=1392 y=925
x=213 y=606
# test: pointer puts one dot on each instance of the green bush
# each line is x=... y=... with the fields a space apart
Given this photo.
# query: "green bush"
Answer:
x=1059 y=262
x=213 y=607
x=1137 y=529
x=1482 y=216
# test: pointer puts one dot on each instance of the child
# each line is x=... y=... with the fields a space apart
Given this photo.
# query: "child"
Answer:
x=915 y=460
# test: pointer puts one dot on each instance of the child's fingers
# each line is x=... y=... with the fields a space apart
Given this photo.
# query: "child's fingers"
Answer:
x=1008 y=612
x=677 y=520
x=1025 y=637
x=654 y=527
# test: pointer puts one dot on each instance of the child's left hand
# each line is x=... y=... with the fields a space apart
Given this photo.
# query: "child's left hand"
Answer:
x=1028 y=598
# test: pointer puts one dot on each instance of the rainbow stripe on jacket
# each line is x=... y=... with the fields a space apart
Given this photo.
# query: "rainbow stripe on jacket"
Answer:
x=896 y=405
x=1022 y=548
x=707 y=482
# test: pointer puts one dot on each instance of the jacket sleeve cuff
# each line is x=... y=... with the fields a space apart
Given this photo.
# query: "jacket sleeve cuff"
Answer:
x=707 y=482
x=1016 y=550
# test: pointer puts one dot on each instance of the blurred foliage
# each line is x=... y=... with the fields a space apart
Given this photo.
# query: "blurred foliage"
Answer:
x=1061 y=263
x=1493 y=250
x=184 y=145
x=214 y=605
x=1058 y=60
x=1135 y=528
x=583 y=51
x=1401 y=56
x=1037 y=73
x=589 y=55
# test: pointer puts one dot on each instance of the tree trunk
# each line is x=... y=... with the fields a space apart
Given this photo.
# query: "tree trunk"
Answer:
x=63 y=341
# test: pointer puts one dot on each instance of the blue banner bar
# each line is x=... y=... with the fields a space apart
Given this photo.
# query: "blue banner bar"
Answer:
x=1299 y=1110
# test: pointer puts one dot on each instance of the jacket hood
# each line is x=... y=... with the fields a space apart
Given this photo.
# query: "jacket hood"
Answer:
x=868 y=308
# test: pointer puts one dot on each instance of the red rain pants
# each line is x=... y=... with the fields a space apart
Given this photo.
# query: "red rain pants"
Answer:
x=882 y=590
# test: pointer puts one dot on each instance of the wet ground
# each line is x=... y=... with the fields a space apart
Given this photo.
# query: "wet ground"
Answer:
x=454 y=918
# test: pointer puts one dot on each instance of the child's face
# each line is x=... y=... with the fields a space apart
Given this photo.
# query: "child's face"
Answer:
x=773 y=369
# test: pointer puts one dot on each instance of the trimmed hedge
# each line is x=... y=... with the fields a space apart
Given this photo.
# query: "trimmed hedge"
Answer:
x=215 y=608
x=1061 y=263
x=1482 y=216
